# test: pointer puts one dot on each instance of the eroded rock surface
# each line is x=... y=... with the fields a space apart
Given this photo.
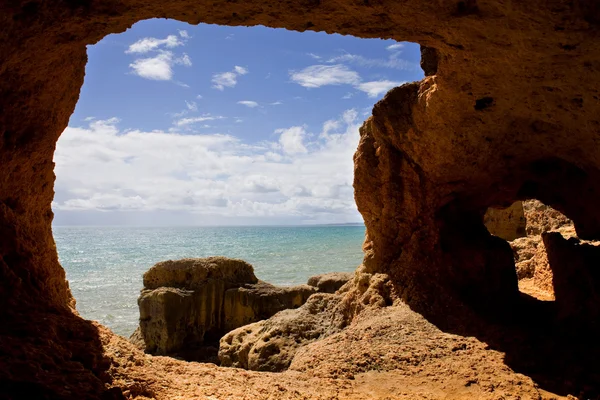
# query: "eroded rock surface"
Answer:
x=193 y=273
x=271 y=345
x=331 y=282
x=531 y=259
x=182 y=301
x=254 y=302
x=508 y=223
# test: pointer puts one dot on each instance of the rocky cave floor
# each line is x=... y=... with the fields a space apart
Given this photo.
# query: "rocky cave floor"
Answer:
x=388 y=353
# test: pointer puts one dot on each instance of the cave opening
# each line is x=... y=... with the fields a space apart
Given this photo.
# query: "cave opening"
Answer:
x=164 y=159
x=522 y=226
x=501 y=98
x=542 y=250
x=524 y=268
x=545 y=243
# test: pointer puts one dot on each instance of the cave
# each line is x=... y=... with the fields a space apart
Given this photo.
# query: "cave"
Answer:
x=508 y=111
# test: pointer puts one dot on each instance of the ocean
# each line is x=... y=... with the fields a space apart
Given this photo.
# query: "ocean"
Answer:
x=104 y=265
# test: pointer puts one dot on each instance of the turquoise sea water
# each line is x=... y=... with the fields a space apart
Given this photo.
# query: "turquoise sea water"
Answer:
x=104 y=265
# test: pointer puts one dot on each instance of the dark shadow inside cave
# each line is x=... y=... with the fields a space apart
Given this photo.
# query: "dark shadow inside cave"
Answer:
x=554 y=342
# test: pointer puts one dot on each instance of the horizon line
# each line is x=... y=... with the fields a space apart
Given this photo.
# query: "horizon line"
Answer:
x=211 y=226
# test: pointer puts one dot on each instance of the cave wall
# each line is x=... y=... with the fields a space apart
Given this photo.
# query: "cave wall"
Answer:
x=509 y=110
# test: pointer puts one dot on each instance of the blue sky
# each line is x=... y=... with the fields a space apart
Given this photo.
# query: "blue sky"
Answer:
x=210 y=125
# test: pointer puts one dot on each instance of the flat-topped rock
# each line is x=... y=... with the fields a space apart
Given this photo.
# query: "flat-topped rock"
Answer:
x=192 y=273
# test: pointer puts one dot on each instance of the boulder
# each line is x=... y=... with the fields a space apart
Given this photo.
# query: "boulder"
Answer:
x=270 y=345
x=331 y=282
x=181 y=305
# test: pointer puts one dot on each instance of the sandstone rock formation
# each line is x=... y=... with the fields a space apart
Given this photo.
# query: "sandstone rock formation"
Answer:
x=255 y=302
x=542 y=218
x=182 y=301
x=531 y=260
x=331 y=282
x=188 y=303
x=271 y=345
x=509 y=110
x=507 y=223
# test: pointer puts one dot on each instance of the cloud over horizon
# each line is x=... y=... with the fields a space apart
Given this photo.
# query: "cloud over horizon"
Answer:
x=304 y=176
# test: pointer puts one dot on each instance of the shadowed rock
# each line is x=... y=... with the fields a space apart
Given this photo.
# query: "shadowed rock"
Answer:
x=576 y=276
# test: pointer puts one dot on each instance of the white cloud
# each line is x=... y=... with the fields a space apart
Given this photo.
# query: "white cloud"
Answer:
x=291 y=140
x=240 y=70
x=156 y=68
x=191 y=106
x=393 y=61
x=199 y=96
x=276 y=103
x=228 y=79
x=224 y=79
x=102 y=168
x=184 y=60
x=184 y=34
x=376 y=88
x=248 y=103
x=320 y=75
x=195 y=120
x=330 y=126
x=148 y=44
x=395 y=46
x=313 y=55
x=160 y=66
